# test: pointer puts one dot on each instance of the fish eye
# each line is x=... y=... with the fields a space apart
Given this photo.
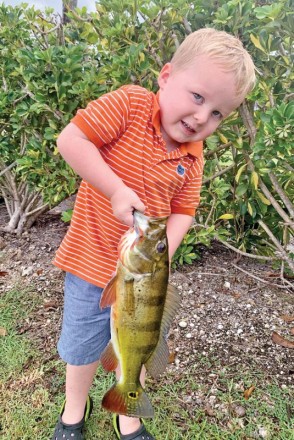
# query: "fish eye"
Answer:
x=161 y=247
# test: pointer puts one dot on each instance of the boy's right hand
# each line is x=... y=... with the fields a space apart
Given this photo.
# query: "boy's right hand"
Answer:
x=123 y=201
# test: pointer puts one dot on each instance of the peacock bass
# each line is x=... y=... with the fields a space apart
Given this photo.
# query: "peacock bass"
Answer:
x=143 y=305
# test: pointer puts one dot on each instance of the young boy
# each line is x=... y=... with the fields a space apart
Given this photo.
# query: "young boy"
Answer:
x=136 y=150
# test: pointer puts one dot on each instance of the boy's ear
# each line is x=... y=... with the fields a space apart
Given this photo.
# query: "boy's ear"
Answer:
x=164 y=74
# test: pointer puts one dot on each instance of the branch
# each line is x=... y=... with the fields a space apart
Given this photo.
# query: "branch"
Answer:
x=8 y=168
x=8 y=207
x=39 y=208
x=288 y=167
x=248 y=120
x=175 y=38
x=217 y=150
x=245 y=254
x=57 y=113
x=259 y=279
x=268 y=194
x=281 y=193
x=280 y=44
x=30 y=202
x=219 y=173
x=187 y=26
x=284 y=255
x=5 y=86
x=289 y=97
x=210 y=212
x=75 y=15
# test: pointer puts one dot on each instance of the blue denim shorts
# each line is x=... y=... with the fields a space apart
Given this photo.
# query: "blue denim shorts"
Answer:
x=85 y=327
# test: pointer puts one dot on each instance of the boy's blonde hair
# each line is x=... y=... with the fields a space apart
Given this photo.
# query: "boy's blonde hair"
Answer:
x=223 y=48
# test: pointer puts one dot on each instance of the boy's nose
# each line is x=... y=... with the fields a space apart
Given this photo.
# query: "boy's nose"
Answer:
x=201 y=116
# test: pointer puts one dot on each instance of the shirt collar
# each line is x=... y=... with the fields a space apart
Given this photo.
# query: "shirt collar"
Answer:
x=193 y=148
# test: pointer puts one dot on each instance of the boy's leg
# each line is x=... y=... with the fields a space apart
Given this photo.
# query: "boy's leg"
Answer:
x=85 y=333
x=78 y=382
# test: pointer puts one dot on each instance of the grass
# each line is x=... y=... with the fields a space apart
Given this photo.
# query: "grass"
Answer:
x=31 y=392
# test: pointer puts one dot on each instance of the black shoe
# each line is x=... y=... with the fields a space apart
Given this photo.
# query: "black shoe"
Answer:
x=64 y=431
x=140 y=434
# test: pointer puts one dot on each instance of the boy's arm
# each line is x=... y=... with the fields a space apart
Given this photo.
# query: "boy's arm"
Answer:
x=177 y=226
x=85 y=159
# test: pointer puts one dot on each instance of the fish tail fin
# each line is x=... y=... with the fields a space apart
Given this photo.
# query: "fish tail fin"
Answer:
x=129 y=402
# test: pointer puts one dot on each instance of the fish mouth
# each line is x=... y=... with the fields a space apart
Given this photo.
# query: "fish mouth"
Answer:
x=127 y=241
x=140 y=221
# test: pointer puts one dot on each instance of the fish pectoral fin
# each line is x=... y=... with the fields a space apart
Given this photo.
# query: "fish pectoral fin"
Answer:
x=109 y=293
x=108 y=358
x=157 y=362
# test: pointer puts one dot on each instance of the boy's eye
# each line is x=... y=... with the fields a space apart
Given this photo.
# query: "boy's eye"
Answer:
x=199 y=99
x=217 y=114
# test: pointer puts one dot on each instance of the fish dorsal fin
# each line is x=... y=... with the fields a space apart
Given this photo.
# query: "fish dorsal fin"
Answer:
x=171 y=306
x=109 y=293
x=157 y=362
x=108 y=358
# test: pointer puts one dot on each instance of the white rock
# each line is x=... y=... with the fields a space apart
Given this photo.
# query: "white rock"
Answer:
x=27 y=271
x=183 y=324
x=227 y=284
x=262 y=432
x=189 y=335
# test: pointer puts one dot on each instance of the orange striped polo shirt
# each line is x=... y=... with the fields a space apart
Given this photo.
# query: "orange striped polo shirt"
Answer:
x=125 y=126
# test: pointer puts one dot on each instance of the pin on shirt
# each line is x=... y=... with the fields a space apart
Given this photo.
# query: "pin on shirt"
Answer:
x=180 y=170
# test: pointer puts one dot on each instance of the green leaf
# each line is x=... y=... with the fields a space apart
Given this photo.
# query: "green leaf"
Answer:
x=254 y=179
x=263 y=198
x=257 y=43
x=251 y=209
x=226 y=217
x=66 y=215
x=240 y=171
x=241 y=189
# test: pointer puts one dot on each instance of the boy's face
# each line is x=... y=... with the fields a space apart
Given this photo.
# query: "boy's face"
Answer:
x=195 y=100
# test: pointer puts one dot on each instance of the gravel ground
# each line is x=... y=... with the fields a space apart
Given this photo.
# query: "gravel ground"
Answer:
x=226 y=314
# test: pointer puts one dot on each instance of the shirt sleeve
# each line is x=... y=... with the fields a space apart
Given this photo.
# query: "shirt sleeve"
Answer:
x=104 y=119
x=187 y=199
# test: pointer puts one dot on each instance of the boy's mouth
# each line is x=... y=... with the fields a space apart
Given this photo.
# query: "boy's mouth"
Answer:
x=188 y=127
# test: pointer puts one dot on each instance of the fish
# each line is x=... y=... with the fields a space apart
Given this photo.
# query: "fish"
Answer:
x=143 y=304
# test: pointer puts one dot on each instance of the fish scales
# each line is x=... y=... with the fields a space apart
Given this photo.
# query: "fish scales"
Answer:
x=143 y=306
